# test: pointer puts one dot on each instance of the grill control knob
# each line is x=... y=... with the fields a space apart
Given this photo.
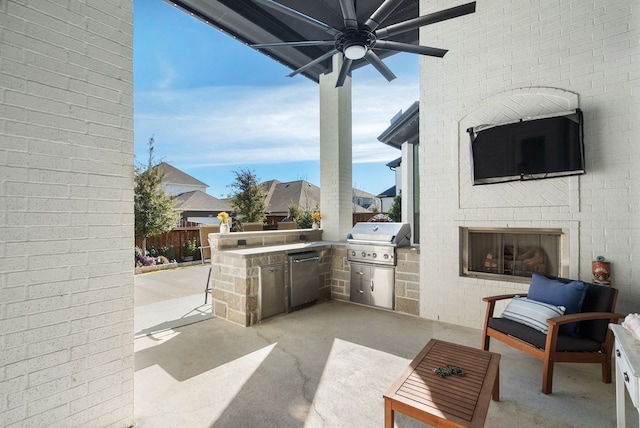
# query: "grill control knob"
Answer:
x=374 y=255
x=386 y=256
x=353 y=253
x=364 y=254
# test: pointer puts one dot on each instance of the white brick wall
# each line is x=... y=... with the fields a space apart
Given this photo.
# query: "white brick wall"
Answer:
x=66 y=220
x=587 y=48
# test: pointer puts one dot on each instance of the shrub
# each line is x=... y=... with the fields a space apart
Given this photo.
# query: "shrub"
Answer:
x=395 y=211
x=304 y=217
x=189 y=247
x=147 y=260
x=142 y=260
x=164 y=251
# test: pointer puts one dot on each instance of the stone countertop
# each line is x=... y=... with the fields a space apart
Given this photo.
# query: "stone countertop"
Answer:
x=286 y=248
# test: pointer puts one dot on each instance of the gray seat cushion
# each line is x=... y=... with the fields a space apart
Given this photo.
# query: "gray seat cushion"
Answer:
x=527 y=334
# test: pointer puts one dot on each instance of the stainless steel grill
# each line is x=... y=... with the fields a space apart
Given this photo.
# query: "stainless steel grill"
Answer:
x=371 y=251
x=377 y=242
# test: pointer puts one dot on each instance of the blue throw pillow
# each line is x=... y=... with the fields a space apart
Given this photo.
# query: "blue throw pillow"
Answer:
x=558 y=293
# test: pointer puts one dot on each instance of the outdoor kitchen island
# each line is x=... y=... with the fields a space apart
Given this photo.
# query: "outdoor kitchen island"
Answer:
x=238 y=258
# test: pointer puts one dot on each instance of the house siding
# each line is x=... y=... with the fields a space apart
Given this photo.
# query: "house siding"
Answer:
x=514 y=58
x=66 y=214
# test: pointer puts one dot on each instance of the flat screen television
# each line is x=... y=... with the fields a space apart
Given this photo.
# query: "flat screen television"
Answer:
x=528 y=149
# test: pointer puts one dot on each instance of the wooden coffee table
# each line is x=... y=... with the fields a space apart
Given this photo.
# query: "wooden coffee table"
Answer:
x=449 y=401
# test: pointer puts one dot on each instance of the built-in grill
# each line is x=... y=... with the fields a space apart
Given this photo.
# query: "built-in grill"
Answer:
x=377 y=242
x=371 y=251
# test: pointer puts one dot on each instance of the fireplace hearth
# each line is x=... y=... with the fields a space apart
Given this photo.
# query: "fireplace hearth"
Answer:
x=510 y=253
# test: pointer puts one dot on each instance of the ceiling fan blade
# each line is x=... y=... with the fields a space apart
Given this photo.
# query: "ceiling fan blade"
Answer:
x=375 y=60
x=349 y=14
x=407 y=47
x=302 y=43
x=344 y=70
x=299 y=16
x=421 y=21
x=382 y=13
x=314 y=62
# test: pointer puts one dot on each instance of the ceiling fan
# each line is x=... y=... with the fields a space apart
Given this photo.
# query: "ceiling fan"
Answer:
x=360 y=40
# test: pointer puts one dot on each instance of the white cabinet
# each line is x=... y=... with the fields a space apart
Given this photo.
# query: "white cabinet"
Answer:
x=627 y=359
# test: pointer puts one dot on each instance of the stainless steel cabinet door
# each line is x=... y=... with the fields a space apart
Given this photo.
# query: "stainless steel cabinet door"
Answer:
x=272 y=297
x=304 y=279
x=382 y=287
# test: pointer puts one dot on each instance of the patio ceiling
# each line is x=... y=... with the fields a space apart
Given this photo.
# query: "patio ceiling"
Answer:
x=252 y=23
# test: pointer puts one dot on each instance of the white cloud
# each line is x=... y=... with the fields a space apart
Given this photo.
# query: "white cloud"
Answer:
x=214 y=126
x=228 y=125
x=168 y=73
x=375 y=102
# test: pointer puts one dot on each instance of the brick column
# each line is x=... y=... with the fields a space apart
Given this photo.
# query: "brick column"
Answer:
x=335 y=154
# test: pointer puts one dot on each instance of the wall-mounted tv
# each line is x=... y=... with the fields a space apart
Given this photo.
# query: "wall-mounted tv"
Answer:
x=528 y=149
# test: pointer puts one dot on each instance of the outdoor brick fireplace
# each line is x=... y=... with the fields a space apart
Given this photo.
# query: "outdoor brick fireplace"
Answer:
x=512 y=254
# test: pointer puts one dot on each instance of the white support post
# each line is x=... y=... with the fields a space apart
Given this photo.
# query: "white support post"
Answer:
x=335 y=155
x=407 y=184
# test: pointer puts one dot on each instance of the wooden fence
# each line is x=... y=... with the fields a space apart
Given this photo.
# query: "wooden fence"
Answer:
x=176 y=239
x=359 y=217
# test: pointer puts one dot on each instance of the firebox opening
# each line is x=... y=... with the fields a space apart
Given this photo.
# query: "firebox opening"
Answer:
x=510 y=253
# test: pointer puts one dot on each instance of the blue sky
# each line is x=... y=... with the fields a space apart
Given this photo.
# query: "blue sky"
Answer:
x=214 y=105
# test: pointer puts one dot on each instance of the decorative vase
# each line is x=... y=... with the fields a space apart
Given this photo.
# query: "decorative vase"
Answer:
x=315 y=226
x=601 y=271
x=224 y=228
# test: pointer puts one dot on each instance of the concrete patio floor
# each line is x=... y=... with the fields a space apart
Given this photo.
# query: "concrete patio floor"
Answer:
x=170 y=299
x=328 y=366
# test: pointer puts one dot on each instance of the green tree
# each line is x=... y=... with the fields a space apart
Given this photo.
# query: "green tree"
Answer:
x=248 y=198
x=395 y=210
x=304 y=219
x=153 y=208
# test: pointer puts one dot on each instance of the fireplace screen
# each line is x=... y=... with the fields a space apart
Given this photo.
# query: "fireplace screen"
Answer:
x=511 y=252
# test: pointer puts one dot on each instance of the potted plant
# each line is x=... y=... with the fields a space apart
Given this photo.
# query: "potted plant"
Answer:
x=189 y=249
x=316 y=217
x=225 y=222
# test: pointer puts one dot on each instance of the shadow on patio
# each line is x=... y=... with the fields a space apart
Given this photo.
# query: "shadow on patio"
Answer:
x=328 y=365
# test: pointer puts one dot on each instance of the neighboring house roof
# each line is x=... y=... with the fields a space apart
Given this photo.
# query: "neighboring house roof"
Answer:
x=360 y=209
x=172 y=175
x=362 y=194
x=270 y=186
x=301 y=193
x=389 y=193
x=199 y=201
x=282 y=195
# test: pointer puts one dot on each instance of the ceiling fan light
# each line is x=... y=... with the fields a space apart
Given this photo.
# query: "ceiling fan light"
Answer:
x=354 y=52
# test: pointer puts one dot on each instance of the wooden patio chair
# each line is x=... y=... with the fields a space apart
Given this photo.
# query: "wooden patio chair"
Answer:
x=581 y=337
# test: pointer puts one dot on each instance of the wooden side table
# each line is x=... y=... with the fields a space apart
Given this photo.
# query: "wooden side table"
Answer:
x=627 y=356
x=449 y=401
